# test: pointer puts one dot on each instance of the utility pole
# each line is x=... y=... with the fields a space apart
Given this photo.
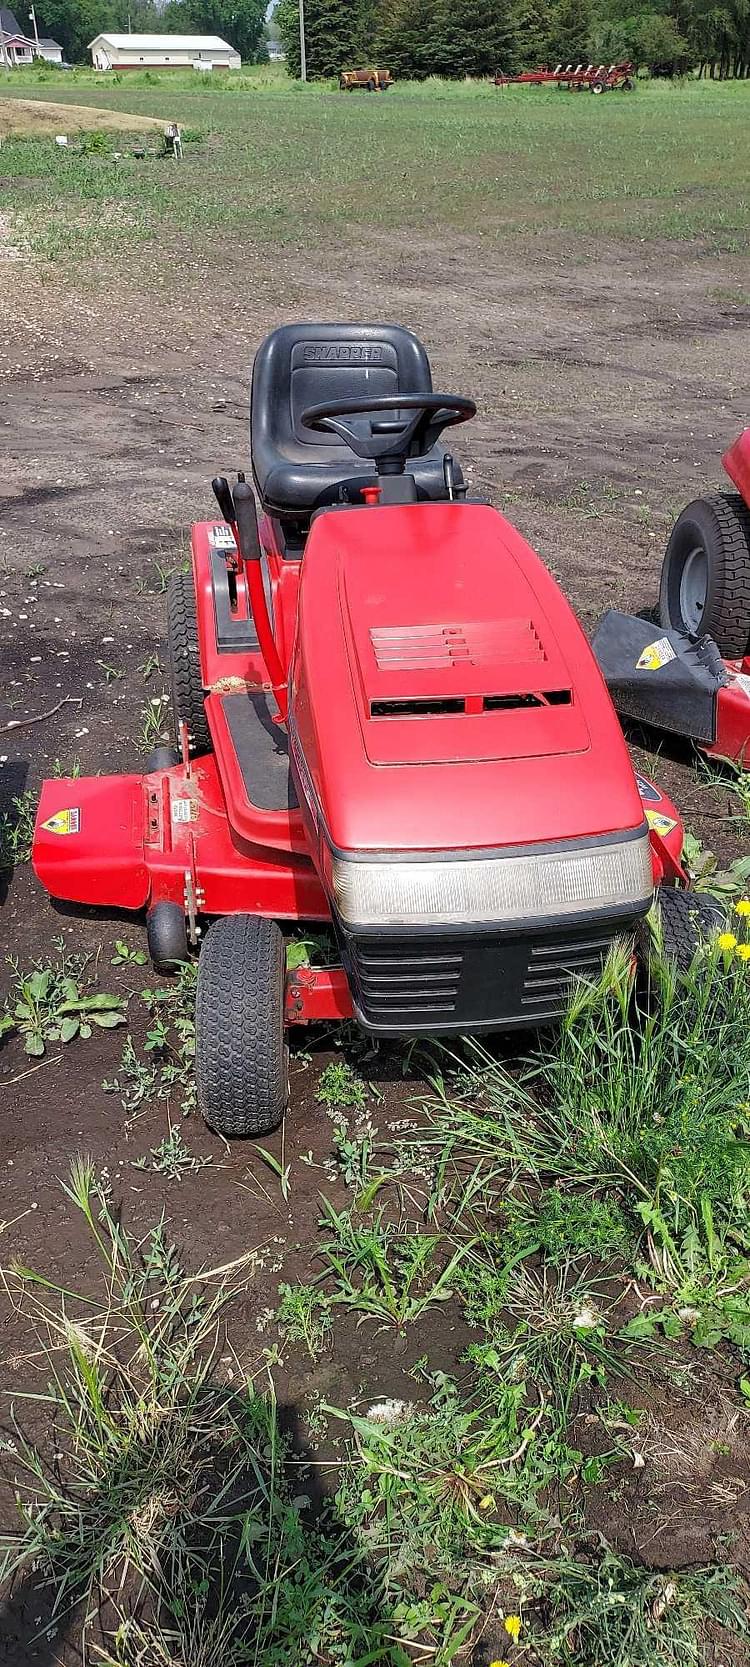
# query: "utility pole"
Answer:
x=32 y=19
x=302 y=52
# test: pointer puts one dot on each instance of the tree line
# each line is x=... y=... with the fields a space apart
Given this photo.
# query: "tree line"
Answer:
x=456 y=38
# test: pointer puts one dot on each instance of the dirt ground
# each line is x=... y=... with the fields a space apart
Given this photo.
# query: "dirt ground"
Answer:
x=26 y=116
x=608 y=380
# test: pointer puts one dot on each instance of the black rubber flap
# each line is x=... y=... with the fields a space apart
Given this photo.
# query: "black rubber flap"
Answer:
x=262 y=751
x=660 y=677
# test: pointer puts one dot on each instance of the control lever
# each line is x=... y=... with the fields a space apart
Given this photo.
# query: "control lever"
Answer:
x=223 y=496
x=248 y=538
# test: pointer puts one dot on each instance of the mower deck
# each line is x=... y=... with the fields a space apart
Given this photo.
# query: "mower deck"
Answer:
x=133 y=841
x=690 y=674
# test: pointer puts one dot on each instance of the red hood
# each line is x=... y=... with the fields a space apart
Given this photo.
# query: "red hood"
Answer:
x=443 y=693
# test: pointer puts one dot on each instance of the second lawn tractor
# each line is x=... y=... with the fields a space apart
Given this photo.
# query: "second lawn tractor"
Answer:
x=390 y=729
x=692 y=676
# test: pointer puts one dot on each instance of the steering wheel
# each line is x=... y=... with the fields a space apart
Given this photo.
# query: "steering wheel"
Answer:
x=395 y=439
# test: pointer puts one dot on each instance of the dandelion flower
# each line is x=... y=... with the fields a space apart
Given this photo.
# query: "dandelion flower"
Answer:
x=743 y=950
x=512 y=1626
x=499 y=1664
x=726 y=940
x=743 y=907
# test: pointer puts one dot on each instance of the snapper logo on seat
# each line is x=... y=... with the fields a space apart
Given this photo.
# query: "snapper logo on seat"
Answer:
x=342 y=353
x=63 y=822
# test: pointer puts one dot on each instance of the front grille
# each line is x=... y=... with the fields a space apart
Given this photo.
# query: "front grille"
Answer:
x=433 y=982
x=552 y=966
x=402 y=982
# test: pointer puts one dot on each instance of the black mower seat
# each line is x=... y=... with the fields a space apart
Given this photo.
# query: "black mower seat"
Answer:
x=297 y=471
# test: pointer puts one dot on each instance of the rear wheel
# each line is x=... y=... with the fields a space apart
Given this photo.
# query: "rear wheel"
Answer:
x=598 y=86
x=240 y=1045
x=188 y=703
x=705 y=578
x=371 y=86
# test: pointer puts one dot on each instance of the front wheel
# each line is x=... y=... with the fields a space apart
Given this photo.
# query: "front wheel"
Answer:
x=705 y=578
x=686 y=919
x=240 y=1044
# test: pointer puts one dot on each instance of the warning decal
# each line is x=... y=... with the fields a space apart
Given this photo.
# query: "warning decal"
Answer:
x=655 y=655
x=183 y=810
x=63 y=822
x=647 y=789
x=660 y=824
x=744 y=683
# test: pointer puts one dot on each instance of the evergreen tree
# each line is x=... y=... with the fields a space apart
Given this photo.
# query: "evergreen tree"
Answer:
x=338 y=35
x=570 y=31
x=532 y=21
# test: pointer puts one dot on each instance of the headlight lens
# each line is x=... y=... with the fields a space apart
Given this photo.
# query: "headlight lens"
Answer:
x=503 y=890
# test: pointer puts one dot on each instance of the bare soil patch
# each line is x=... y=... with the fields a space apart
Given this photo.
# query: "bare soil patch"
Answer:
x=26 y=118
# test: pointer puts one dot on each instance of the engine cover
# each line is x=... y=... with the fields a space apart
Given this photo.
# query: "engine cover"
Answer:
x=443 y=696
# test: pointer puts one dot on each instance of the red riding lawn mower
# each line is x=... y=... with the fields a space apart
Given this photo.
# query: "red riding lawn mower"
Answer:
x=693 y=678
x=390 y=722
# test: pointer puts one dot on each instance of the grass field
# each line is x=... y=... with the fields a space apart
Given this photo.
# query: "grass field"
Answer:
x=456 y=1367
x=286 y=165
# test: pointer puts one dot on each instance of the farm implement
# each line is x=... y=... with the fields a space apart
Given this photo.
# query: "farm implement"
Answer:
x=692 y=676
x=391 y=729
x=598 y=78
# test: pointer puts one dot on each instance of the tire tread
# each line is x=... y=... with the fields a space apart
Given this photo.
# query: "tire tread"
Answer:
x=188 y=701
x=727 y=616
x=239 y=1043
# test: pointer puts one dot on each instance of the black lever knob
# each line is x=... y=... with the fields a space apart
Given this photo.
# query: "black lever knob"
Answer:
x=223 y=497
x=246 y=518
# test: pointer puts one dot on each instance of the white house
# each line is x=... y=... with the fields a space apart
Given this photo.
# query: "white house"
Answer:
x=204 y=52
x=49 y=50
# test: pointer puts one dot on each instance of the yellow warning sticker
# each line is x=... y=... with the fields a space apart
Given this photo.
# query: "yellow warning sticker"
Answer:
x=63 y=822
x=660 y=824
x=655 y=655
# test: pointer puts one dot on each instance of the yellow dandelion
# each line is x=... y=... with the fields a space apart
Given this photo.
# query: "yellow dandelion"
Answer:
x=499 y=1664
x=743 y=951
x=512 y=1625
x=743 y=907
x=726 y=940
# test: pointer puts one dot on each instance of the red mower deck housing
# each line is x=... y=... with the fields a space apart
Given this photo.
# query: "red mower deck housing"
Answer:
x=690 y=673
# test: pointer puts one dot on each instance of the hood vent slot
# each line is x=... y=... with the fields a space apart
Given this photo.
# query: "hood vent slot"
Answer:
x=469 y=705
x=440 y=647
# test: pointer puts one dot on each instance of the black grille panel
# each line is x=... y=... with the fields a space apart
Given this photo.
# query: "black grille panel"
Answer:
x=433 y=982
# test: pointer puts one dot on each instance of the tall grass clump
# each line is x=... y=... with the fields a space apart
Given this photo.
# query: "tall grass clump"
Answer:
x=643 y=1094
x=165 y=1514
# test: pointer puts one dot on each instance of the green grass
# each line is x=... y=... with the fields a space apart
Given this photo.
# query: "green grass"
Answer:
x=283 y=165
x=17 y=830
